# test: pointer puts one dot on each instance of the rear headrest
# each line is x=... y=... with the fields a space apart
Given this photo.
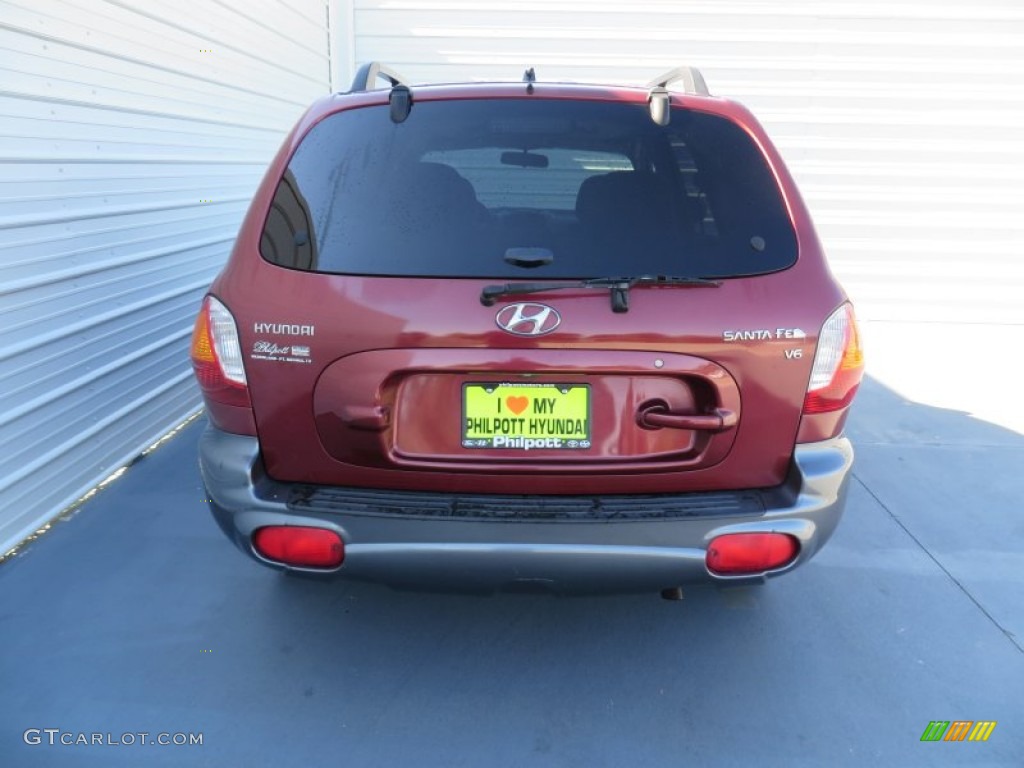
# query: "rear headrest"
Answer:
x=441 y=185
x=639 y=197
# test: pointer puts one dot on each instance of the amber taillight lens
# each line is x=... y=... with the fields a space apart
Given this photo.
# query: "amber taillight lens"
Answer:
x=838 y=364
x=217 y=355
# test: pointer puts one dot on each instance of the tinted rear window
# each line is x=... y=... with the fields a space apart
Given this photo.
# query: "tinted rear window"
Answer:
x=518 y=188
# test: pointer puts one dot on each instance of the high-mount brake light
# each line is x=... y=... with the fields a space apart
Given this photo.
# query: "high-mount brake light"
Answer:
x=217 y=354
x=838 y=364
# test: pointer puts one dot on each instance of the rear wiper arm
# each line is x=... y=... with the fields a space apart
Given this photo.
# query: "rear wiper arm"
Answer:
x=619 y=287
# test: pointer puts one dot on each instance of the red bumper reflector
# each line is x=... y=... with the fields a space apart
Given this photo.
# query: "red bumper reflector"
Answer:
x=736 y=553
x=300 y=546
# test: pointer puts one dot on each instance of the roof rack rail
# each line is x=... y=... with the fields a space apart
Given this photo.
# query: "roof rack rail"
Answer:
x=692 y=79
x=366 y=76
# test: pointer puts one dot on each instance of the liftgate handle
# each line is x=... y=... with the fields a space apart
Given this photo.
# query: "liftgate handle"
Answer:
x=718 y=420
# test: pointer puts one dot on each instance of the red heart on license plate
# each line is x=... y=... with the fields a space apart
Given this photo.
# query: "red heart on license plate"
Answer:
x=517 y=404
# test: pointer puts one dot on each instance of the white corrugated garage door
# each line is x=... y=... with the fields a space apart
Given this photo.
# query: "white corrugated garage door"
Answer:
x=901 y=120
x=132 y=136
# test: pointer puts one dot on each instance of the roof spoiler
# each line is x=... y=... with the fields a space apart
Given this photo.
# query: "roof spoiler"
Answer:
x=401 y=100
x=690 y=77
x=657 y=96
x=368 y=74
x=400 y=97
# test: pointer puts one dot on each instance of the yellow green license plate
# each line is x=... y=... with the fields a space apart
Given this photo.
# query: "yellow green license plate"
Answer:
x=524 y=417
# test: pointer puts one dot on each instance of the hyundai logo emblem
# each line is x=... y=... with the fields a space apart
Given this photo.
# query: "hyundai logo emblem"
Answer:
x=528 y=319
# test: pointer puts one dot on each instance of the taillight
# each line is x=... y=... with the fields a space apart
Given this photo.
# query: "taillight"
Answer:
x=217 y=355
x=738 y=553
x=300 y=546
x=838 y=364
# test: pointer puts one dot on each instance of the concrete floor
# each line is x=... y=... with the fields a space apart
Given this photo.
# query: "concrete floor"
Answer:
x=136 y=615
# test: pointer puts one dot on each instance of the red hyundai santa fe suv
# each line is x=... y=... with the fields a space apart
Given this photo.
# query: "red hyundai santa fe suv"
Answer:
x=527 y=335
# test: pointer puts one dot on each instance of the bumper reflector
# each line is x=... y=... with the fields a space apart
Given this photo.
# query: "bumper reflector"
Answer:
x=739 y=553
x=300 y=546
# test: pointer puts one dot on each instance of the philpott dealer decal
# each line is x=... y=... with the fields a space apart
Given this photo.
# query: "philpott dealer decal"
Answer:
x=282 y=352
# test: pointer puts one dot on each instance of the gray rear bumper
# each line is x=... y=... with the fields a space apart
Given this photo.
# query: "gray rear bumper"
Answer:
x=416 y=550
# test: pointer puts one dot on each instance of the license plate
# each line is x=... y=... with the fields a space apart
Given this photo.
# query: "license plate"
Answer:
x=524 y=417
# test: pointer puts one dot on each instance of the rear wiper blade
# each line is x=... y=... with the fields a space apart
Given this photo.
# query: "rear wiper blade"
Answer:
x=619 y=287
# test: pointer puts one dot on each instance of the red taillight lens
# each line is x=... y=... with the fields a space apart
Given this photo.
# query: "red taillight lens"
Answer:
x=838 y=364
x=217 y=355
x=737 y=553
x=300 y=546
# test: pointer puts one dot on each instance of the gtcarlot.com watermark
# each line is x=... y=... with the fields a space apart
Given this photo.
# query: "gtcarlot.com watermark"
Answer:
x=57 y=736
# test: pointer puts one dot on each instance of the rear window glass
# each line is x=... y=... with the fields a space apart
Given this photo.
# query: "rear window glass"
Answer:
x=505 y=185
x=518 y=188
